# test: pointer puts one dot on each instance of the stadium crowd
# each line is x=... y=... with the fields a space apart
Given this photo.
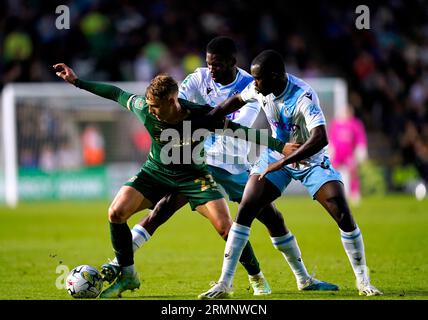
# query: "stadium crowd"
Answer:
x=386 y=66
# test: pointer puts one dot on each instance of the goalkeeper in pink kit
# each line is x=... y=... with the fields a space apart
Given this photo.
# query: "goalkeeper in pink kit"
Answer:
x=348 y=147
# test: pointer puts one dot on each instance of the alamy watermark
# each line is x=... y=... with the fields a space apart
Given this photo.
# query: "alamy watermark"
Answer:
x=363 y=20
x=63 y=271
x=63 y=20
x=227 y=146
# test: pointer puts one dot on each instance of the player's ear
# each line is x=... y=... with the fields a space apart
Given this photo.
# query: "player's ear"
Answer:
x=171 y=99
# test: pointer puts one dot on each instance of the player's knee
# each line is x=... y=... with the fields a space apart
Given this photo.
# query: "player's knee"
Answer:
x=117 y=214
x=223 y=227
x=339 y=209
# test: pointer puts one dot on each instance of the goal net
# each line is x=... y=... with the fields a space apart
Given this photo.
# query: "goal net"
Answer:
x=60 y=142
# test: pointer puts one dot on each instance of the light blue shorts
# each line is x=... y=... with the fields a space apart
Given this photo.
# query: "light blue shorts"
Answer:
x=312 y=177
x=233 y=184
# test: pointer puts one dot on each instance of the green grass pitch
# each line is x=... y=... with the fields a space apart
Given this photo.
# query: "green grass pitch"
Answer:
x=185 y=254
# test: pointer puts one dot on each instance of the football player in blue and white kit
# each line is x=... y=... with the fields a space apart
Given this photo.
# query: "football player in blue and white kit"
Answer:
x=228 y=162
x=294 y=114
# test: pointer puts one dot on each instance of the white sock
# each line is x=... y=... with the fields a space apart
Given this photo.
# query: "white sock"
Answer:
x=128 y=270
x=354 y=248
x=236 y=241
x=289 y=248
x=139 y=237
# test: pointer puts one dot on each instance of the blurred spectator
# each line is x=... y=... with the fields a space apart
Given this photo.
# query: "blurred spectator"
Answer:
x=348 y=147
x=414 y=148
x=48 y=161
x=17 y=46
x=92 y=146
x=144 y=70
x=191 y=61
x=28 y=158
x=68 y=156
x=141 y=139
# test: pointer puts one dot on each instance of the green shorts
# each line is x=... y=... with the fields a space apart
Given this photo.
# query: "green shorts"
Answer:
x=155 y=182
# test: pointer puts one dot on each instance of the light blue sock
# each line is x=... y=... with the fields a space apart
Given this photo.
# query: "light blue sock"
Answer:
x=354 y=248
x=236 y=241
x=139 y=236
x=289 y=248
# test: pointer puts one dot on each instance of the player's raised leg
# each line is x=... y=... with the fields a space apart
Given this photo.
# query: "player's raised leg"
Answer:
x=127 y=201
x=145 y=228
x=332 y=197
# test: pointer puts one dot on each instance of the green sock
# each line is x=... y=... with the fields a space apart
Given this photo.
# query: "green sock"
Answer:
x=121 y=239
x=249 y=261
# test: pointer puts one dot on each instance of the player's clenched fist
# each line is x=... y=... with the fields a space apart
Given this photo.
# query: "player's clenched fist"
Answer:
x=65 y=72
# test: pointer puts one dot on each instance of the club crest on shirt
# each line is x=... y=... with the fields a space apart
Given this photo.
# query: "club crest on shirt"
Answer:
x=314 y=109
x=138 y=102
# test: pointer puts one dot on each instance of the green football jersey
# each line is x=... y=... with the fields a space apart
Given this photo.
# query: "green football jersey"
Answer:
x=176 y=149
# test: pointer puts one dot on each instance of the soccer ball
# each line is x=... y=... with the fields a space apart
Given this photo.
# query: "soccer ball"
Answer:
x=84 y=282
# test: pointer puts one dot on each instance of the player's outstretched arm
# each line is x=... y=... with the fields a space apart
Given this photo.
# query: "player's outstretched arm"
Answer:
x=317 y=140
x=230 y=105
x=100 y=89
x=260 y=137
x=215 y=118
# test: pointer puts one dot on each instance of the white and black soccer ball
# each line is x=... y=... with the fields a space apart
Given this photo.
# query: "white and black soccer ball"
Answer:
x=84 y=282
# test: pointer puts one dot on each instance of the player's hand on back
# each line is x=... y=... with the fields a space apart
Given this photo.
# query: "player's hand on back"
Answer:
x=65 y=72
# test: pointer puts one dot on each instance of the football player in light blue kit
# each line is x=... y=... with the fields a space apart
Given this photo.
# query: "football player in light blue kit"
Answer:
x=294 y=114
x=228 y=162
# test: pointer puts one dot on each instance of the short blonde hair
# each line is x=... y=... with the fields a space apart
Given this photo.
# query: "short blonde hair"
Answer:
x=162 y=86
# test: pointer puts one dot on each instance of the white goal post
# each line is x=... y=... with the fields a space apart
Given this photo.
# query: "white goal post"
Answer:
x=332 y=93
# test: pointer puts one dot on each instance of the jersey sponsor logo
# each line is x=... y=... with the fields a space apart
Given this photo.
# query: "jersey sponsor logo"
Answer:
x=209 y=89
x=287 y=126
x=295 y=127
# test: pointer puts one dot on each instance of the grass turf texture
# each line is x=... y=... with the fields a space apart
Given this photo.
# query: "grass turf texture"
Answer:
x=186 y=253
